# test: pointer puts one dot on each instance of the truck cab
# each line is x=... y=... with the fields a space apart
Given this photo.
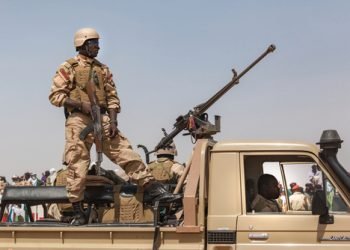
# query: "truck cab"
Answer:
x=234 y=170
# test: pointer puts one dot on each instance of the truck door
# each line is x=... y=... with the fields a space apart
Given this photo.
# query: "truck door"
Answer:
x=299 y=176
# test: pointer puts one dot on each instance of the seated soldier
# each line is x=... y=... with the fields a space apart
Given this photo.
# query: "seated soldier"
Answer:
x=268 y=192
x=165 y=169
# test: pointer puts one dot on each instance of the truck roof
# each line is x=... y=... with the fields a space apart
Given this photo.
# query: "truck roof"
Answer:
x=264 y=146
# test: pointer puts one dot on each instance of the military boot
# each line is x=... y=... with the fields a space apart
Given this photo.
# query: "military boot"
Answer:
x=155 y=191
x=79 y=216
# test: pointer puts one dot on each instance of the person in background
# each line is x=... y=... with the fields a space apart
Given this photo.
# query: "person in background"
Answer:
x=298 y=201
x=315 y=175
x=18 y=212
x=51 y=178
x=3 y=184
x=15 y=180
x=309 y=192
x=44 y=176
x=289 y=190
x=282 y=198
x=27 y=180
x=35 y=181
x=330 y=192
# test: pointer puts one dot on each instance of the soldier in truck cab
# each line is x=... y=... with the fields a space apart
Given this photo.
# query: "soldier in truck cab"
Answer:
x=268 y=192
x=68 y=90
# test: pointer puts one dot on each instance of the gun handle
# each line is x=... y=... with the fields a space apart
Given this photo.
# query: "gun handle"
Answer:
x=98 y=163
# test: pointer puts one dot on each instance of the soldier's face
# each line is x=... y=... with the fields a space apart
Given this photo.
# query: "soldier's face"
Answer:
x=273 y=189
x=92 y=47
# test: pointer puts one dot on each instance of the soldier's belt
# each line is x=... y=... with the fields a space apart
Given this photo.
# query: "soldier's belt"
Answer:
x=103 y=111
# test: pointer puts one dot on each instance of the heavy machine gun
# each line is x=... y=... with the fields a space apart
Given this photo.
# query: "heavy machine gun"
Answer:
x=196 y=120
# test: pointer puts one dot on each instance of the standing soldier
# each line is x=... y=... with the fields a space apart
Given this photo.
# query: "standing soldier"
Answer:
x=165 y=169
x=69 y=90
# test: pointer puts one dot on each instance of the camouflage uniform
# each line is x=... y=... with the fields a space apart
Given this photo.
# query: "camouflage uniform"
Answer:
x=69 y=82
x=166 y=170
x=261 y=204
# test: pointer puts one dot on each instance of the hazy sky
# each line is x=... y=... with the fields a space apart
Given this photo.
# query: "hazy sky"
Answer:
x=167 y=57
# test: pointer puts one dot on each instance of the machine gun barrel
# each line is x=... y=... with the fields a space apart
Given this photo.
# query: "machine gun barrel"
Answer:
x=182 y=121
x=203 y=107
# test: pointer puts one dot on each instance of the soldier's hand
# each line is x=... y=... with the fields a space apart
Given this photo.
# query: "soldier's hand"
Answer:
x=113 y=129
x=86 y=108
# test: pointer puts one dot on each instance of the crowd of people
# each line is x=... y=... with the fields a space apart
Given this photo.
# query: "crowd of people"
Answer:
x=17 y=212
x=31 y=179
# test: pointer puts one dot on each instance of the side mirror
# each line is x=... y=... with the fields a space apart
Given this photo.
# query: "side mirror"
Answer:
x=319 y=207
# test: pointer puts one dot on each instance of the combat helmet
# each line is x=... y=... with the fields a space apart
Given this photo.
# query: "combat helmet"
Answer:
x=168 y=150
x=84 y=34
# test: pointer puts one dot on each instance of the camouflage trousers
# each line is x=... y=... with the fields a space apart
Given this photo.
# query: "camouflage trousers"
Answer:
x=77 y=155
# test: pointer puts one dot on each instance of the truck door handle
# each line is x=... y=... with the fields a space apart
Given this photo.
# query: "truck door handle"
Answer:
x=258 y=236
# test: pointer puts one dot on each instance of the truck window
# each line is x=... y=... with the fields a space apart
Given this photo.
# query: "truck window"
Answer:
x=298 y=178
x=302 y=180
